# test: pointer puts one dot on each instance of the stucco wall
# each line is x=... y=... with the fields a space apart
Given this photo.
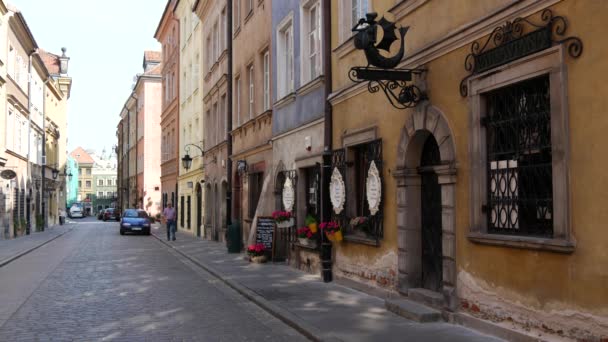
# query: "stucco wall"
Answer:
x=538 y=288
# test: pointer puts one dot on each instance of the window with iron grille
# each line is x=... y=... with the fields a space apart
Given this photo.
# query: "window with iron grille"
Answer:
x=519 y=159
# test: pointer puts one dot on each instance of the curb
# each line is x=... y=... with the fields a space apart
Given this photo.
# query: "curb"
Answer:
x=285 y=316
x=22 y=253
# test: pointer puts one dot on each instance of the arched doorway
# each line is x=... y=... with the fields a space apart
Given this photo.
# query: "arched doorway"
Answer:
x=430 y=203
x=426 y=177
x=199 y=208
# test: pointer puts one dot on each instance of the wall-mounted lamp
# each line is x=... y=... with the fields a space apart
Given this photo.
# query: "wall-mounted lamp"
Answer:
x=187 y=160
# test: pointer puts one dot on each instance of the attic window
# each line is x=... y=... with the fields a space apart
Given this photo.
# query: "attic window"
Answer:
x=78 y=156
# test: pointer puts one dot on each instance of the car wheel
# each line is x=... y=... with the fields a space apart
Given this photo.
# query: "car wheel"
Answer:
x=122 y=232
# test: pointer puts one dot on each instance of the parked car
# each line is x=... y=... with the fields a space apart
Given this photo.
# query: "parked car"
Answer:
x=111 y=214
x=100 y=214
x=135 y=220
x=76 y=212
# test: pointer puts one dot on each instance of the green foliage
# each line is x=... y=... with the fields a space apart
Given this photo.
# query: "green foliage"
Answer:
x=39 y=222
x=309 y=219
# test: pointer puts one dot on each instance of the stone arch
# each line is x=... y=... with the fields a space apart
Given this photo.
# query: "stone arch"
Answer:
x=425 y=121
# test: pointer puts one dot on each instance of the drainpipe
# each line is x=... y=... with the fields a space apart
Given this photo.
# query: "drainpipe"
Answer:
x=326 y=252
x=229 y=114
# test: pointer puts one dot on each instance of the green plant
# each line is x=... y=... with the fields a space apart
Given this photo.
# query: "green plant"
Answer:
x=309 y=220
x=39 y=223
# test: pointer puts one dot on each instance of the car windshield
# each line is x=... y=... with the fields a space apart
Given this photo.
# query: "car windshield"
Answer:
x=135 y=213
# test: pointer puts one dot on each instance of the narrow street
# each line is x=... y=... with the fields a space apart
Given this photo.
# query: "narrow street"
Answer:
x=93 y=284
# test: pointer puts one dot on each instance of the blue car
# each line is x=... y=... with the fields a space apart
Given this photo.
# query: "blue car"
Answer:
x=135 y=221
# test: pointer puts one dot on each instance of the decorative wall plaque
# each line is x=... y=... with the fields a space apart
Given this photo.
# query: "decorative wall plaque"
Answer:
x=337 y=194
x=288 y=195
x=373 y=188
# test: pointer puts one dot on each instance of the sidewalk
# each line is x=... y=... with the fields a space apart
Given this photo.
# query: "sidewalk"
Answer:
x=321 y=311
x=14 y=248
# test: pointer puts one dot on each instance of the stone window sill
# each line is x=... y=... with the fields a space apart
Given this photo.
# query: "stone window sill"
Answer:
x=524 y=242
x=362 y=240
x=297 y=244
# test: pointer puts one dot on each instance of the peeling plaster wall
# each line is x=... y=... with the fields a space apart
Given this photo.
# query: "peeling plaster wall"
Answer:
x=490 y=302
x=380 y=271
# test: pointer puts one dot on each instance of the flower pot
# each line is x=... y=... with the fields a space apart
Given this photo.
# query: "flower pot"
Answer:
x=303 y=241
x=285 y=224
x=313 y=227
x=259 y=259
x=335 y=237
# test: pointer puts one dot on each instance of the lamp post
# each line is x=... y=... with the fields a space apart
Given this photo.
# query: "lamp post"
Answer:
x=186 y=159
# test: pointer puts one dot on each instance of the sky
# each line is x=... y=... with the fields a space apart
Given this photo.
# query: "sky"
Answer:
x=105 y=40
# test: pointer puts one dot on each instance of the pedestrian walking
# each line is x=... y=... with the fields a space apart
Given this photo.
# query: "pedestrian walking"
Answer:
x=169 y=216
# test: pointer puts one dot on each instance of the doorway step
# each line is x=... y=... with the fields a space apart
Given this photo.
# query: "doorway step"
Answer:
x=427 y=297
x=412 y=310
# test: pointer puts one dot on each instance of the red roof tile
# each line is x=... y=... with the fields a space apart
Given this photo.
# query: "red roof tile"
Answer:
x=153 y=56
x=84 y=158
x=51 y=61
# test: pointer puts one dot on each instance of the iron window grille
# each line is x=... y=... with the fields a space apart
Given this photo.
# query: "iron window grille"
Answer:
x=519 y=162
x=285 y=236
x=363 y=156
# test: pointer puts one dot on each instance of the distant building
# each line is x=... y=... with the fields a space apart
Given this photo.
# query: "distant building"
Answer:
x=85 y=179
x=105 y=191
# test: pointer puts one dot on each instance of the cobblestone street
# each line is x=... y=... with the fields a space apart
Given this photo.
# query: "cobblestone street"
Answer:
x=93 y=284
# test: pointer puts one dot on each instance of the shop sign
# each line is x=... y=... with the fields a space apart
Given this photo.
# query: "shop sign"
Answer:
x=8 y=174
x=288 y=195
x=337 y=194
x=373 y=188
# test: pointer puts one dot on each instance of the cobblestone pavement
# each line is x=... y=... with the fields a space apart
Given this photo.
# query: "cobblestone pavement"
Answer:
x=93 y=284
x=11 y=247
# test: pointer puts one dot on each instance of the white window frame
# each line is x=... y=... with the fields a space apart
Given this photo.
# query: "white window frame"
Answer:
x=250 y=73
x=310 y=69
x=266 y=63
x=285 y=65
x=237 y=90
x=345 y=16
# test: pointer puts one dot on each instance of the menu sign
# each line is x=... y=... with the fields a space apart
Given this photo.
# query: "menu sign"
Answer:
x=337 y=194
x=265 y=232
x=373 y=188
x=288 y=195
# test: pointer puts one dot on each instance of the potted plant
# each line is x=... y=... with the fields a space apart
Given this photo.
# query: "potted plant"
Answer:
x=283 y=219
x=361 y=223
x=306 y=237
x=311 y=223
x=332 y=230
x=257 y=253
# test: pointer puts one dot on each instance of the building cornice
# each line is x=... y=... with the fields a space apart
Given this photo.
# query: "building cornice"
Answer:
x=453 y=40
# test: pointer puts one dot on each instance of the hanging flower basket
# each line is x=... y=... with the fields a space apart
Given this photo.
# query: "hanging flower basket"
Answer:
x=332 y=231
x=283 y=219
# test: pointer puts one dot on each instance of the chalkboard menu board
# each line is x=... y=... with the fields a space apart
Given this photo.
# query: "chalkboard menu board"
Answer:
x=265 y=231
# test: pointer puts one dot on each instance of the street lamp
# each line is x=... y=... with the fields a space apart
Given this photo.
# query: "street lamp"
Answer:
x=55 y=173
x=187 y=160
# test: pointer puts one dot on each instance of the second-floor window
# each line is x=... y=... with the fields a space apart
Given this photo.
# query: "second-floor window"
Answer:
x=236 y=15
x=88 y=184
x=251 y=92
x=285 y=62
x=100 y=182
x=238 y=101
x=311 y=42
x=88 y=171
x=266 y=62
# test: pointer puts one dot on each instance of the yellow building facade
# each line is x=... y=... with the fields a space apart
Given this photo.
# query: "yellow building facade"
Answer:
x=492 y=188
x=189 y=202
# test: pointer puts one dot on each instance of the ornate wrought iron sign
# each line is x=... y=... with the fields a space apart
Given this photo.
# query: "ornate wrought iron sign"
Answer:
x=380 y=72
x=514 y=40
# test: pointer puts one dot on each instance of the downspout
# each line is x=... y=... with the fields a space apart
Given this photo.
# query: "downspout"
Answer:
x=29 y=133
x=229 y=114
x=326 y=252
x=45 y=225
